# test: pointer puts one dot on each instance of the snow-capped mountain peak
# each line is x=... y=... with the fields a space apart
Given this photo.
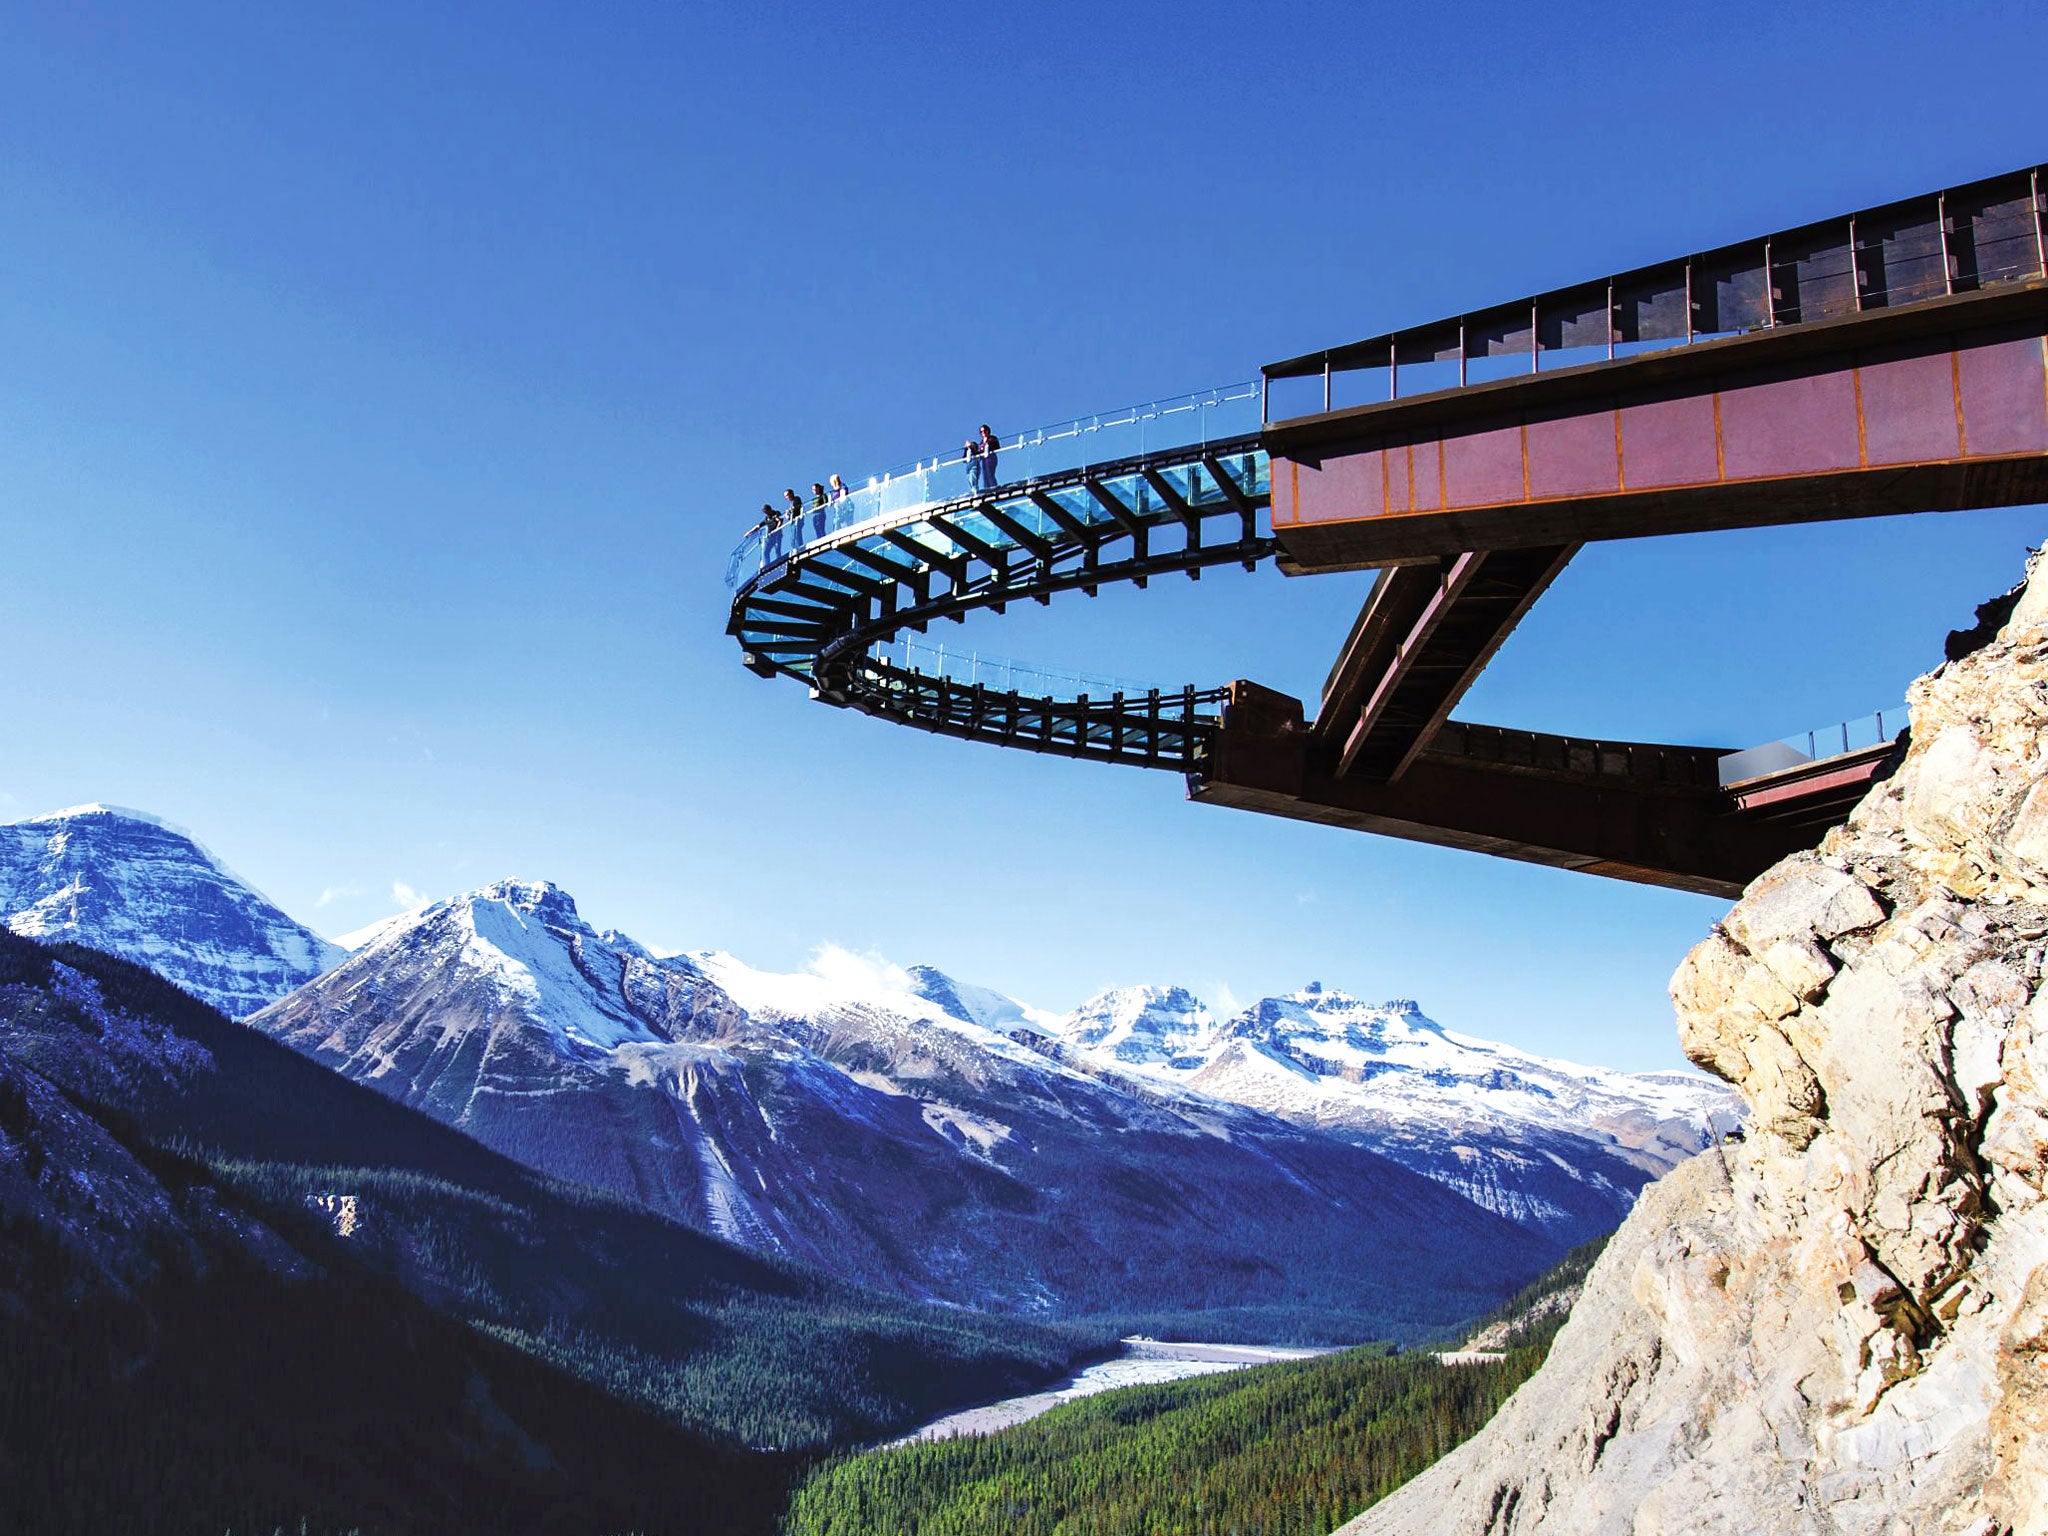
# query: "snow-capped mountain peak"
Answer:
x=1141 y=1024
x=976 y=1005
x=1334 y=1027
x=519 y=954
x=136 y=886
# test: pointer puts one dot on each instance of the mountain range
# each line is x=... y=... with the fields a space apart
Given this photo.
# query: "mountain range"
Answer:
x=912 y=1131
x=878 y=1137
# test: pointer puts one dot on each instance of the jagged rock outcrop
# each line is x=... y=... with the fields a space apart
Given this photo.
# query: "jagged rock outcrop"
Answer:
x=1839 y=1325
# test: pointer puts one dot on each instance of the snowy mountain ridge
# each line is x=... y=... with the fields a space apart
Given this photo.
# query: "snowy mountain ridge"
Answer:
x=136 y=886
x=864 y=1118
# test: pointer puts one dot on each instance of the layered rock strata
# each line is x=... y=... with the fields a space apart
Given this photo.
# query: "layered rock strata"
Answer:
x=1840 y=1325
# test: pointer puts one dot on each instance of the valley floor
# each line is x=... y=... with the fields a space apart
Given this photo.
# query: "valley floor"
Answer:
x=1144 y=1363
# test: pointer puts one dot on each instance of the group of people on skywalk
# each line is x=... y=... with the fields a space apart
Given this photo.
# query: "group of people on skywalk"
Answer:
x=979 y=453
x=822 y=496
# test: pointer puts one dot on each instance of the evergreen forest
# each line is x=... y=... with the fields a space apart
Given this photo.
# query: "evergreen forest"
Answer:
x=1280 y=1450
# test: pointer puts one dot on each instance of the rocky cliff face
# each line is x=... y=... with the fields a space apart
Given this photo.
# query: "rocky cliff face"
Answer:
x=1839 y=1325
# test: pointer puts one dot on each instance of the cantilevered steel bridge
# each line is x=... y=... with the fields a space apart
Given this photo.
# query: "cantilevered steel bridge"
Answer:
x=1894 y=360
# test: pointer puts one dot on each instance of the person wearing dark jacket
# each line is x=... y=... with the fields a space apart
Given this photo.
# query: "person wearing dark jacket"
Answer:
x=989 y=445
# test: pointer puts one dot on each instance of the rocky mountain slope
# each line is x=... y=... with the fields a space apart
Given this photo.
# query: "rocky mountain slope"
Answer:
x=881 y=1129
x=1839 y=1325
x=181 y=1355
x=130 y=885
x=1555 y=1146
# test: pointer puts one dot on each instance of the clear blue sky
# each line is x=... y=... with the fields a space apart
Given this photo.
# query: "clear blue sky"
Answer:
x=383 y=385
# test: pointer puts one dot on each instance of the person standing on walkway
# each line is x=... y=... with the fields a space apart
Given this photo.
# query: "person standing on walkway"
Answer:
x=971 y=451
x=838 y=489
x=989 y=445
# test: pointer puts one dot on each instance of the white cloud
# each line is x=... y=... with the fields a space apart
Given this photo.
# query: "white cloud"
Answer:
x=406 y=896
x=338 y=893
x=866 y=975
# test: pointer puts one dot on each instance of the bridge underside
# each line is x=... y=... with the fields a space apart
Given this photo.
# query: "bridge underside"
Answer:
x=1637 y=811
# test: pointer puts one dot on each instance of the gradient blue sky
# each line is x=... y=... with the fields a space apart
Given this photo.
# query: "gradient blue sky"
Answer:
x=381 y=387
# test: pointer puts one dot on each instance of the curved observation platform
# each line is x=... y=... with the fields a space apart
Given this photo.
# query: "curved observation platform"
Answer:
x=1893 y=360
x=1158 y=490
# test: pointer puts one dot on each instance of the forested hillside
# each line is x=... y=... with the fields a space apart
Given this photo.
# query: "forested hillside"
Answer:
x=237 y=1291
x=1282 y=1450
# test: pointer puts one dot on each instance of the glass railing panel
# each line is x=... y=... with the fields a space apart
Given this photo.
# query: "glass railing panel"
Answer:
x=835 y=567
x=1055 y=449
x=1132 y=493
x=1075 y=501
x=975 y=526
x=1256 y=471
x=1027 y=514
x=1180 y=478
x=933 y=540
x=1817 y=745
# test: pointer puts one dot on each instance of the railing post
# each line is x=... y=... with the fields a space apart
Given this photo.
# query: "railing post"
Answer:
x=2040 y=225
x=1948 y=262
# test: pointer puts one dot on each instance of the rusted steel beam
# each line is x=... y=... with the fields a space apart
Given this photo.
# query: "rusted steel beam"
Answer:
x=1937 y=408
x=1636 y=811
x=1795 y=791
x=1418 y=678
x=1386 y=618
